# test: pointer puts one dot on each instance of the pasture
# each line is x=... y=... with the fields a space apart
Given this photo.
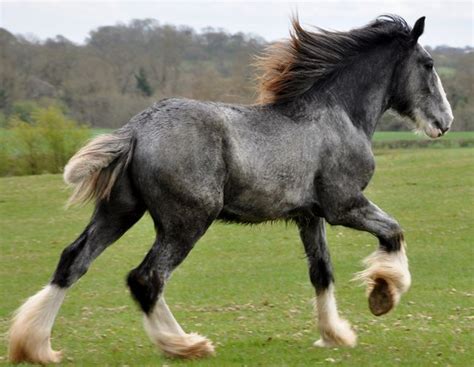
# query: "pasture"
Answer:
x=384 y=136
x=246 y=287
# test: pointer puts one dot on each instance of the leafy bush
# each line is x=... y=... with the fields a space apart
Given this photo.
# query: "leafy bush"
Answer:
x=3 y=120
x=43 y=144
x=4 y=157
x=24 y=110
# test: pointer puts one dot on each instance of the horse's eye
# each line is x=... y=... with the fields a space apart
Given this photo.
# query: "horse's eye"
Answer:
x=429 y=65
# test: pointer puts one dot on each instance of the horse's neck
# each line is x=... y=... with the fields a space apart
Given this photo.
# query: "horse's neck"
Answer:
x=362 y=90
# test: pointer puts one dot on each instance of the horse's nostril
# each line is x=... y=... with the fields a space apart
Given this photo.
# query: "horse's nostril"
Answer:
x=439 y=126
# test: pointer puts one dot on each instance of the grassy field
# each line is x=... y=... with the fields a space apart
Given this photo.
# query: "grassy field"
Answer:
x=246 y=287
x=408 y=135
x=379 y=136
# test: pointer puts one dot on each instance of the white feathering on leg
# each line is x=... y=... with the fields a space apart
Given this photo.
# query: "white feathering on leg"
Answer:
x=334 y=330
x=390 y=266
x=167 y=334
x=30 y=332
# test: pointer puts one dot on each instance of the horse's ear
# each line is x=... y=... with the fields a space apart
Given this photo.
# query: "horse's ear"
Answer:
x=418 y=29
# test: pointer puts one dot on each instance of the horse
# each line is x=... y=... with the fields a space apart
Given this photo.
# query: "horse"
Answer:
x=301 y=154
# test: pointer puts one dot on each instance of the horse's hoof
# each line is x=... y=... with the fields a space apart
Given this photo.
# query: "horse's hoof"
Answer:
x=188 y=346
x=337 y=334
x=53 y=357
x=321 y=343
x=350 y=342
x=381 y=298
x=45 y=356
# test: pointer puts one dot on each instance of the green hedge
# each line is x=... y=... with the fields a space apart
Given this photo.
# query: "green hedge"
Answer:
x=441 y=143
x=43 y=144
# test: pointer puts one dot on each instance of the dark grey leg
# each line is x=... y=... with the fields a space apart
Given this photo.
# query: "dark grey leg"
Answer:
x=334 y=331
x=147 y=281
x=106 y=226
x=313 y=235
x=174 y=242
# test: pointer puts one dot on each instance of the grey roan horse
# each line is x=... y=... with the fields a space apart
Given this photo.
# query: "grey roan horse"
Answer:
x=302 y=154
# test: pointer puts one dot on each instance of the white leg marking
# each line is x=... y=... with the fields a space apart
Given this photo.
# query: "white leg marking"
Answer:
x=165 y=332
x=334 y=330
x=30 y=332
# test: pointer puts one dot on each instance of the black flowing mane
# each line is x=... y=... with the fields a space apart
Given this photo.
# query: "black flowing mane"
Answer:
x=291 y=67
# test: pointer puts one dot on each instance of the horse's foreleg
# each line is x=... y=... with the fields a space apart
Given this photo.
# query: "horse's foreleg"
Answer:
x=386 y=274
x=29 y=334
x=147 y=283
x=334 y=330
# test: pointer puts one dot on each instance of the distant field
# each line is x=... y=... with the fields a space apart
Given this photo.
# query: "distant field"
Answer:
x=382 y=137
x=98 y=131
x=379 y=136
x=246 y=287
x=403 y=139
x=408 y=135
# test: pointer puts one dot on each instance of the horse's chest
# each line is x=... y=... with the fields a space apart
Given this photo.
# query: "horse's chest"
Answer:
x=354 y=168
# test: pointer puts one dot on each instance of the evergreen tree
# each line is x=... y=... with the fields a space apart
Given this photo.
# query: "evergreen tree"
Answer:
x=142 y=83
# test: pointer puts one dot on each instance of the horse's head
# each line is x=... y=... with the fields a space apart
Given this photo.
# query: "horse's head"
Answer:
x=419 y=94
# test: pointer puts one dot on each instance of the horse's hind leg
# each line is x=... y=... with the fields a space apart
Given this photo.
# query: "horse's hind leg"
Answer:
x=176 y=237
x=334 y=331
x=29 y=335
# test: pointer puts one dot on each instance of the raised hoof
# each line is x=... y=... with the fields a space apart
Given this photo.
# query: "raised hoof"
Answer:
x=189 y=346
x=381 y=298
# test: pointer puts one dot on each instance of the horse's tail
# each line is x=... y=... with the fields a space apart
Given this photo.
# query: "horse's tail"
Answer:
x=94 y=169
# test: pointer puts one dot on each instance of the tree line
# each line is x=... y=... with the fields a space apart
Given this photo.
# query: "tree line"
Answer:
x=121 y=69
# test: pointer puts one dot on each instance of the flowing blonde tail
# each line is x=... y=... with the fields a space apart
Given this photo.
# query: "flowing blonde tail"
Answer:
x=94 y=169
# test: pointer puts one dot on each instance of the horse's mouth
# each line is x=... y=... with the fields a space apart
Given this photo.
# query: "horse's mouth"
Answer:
x=434 y=130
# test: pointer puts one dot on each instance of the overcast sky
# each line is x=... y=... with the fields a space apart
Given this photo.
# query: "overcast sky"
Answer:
x=448 y=22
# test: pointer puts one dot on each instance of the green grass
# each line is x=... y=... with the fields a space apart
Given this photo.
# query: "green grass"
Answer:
x=408 y=135
x=246 y=287
x=97 y=131
x=379 y=135
x=446 y=72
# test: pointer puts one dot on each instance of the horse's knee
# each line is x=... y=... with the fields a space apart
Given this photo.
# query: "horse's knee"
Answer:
x=394 y=242
x=145 y=286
